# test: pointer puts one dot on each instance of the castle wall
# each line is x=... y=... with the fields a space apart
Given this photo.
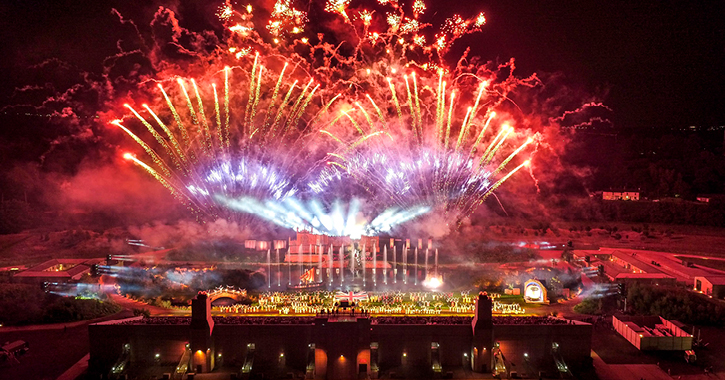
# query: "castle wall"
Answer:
x=107 y=340
x=343 y=346
x=274 y=344
x=536 y=341
x=351 y=340
x=416 y=340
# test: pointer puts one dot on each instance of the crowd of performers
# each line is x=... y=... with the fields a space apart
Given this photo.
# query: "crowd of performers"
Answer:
x=378 y=303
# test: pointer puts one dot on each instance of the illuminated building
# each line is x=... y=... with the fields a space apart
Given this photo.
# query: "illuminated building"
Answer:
x=57 y=271
x=308 y=242
x=653 y=333
x=620 y=195
x=713 y=286
x=343 y=345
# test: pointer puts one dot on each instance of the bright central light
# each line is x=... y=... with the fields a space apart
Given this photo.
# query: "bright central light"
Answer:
x=433 y=282
x=312 y=216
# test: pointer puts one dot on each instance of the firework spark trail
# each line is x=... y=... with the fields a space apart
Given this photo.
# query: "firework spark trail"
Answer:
x=177 y=118
x=179 y=195
x=281 y=110
x=218 y=173
x=503 y=163
x=480 y=135
x=470 y=115
x=426 y=148
x=366 y=115
x=412 y=109
x=378 y=111
x=450 y=117
x=486 y=159
x=256 y=97
x=247 y=113
x=295 y=109
x=188 y=101
x=451 y=172
x=154 y=156
x=395 y=99
x=206 y=133
x=306 y=103
x=220 y=127
x=274 y=95
x=226 y=107
x=447 y=174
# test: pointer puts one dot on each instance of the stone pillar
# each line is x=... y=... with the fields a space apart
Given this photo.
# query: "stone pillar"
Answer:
x=482 y=343
x=201 y=340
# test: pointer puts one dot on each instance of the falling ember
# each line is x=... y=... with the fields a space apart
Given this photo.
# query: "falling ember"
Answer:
x=419 y=6
x=338 y=6
x=243 y=30
x=225 y=12
x=287 y=141
x=366 y=17
x=480 y=20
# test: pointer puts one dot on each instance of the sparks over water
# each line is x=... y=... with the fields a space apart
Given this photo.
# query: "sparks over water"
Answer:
x=302 y=142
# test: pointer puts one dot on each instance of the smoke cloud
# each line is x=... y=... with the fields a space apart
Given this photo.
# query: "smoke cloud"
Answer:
x=186 y=232
x=82 y=171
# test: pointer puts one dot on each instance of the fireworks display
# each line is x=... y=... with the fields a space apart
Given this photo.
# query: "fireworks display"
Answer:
x=339 y=136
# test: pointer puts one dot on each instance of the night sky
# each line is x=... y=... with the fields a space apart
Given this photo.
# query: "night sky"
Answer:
x=656 y=64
